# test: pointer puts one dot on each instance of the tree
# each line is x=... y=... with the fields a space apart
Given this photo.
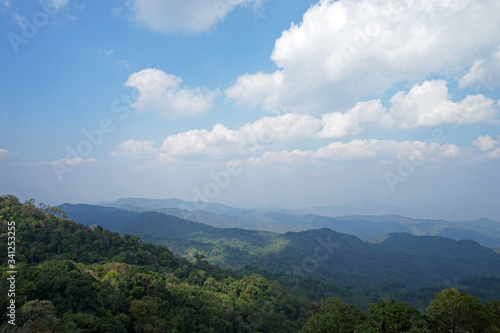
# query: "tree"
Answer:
x=394 y=317
x=39 y=314
x=454 y=311
x=335 y=316
x=493 y=309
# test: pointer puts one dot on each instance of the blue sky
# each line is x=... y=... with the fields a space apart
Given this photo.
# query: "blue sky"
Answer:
x=374 y=106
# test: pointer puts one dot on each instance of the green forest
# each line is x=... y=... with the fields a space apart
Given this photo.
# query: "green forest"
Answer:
x=75 y=278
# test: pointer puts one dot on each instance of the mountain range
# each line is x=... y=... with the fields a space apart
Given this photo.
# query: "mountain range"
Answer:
x=484 y=231
x=354 y=252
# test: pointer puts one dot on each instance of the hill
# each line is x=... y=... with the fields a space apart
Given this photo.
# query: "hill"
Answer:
x=75 y=278
x=484 y=231
x=400 y=258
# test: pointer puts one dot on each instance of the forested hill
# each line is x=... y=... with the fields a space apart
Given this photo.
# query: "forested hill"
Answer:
x=484 y=231
x=409 y=260
x=74 y=278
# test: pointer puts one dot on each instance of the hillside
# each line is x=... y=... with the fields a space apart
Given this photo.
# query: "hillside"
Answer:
x=484 y=231
x=407 y=260
x=74 y=278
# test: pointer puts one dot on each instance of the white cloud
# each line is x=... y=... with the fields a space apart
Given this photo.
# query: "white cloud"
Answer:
x=371 y=113
x=266 y=131
x=485 y=143
x=361 y=149
x=344 y=50
x=221 y=141
x=493 y=154
x=135 y=149
x=489 y=148
x=5 y=3
x=282 y=128
x=184 y=16
x=428 y=104
x=162 y=92
x=484 y=74
x=214 y=142
x=71 y=162
x=425 y=104
x=255 y=89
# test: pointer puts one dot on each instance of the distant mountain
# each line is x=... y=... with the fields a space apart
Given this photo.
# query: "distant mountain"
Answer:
x=414 y=261
x=484 y=231
x=153 y=204
x=107 y=217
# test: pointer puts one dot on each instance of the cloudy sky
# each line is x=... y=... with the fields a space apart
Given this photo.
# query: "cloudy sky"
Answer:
x=382 y=105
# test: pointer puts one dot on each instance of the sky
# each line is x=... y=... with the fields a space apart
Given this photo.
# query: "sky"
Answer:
x=377 y=106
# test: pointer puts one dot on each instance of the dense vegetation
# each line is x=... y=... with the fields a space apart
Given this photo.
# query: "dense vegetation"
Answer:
x=327 y=263
x=73 y=278
x=76 y=278
x=484 y=231
x=451 y=311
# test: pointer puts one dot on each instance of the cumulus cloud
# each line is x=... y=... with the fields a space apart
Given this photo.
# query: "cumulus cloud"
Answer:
x=283 y=128
x=221 y=140
x=484 y=74
x=135 y=149
x=192 y=16
x=359 y=149
x=214 y=142
x=344 y=50
x=371 y=114
x=163 y=93
x=493 y=154
x=255 y=89
x=488 y=147
x=428 y=104
x=485 y=143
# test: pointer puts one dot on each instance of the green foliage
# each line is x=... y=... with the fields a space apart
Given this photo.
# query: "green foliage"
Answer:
x=335 y=316
x=407 y=262
x=39 y=314
x=74 y=278
x=450 y=312
x=454 y=311
x=394 y=317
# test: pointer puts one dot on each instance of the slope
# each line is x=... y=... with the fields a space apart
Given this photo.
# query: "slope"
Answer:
x=73 y=278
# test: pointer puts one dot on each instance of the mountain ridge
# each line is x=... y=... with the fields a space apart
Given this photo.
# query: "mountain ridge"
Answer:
x=353 y=261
